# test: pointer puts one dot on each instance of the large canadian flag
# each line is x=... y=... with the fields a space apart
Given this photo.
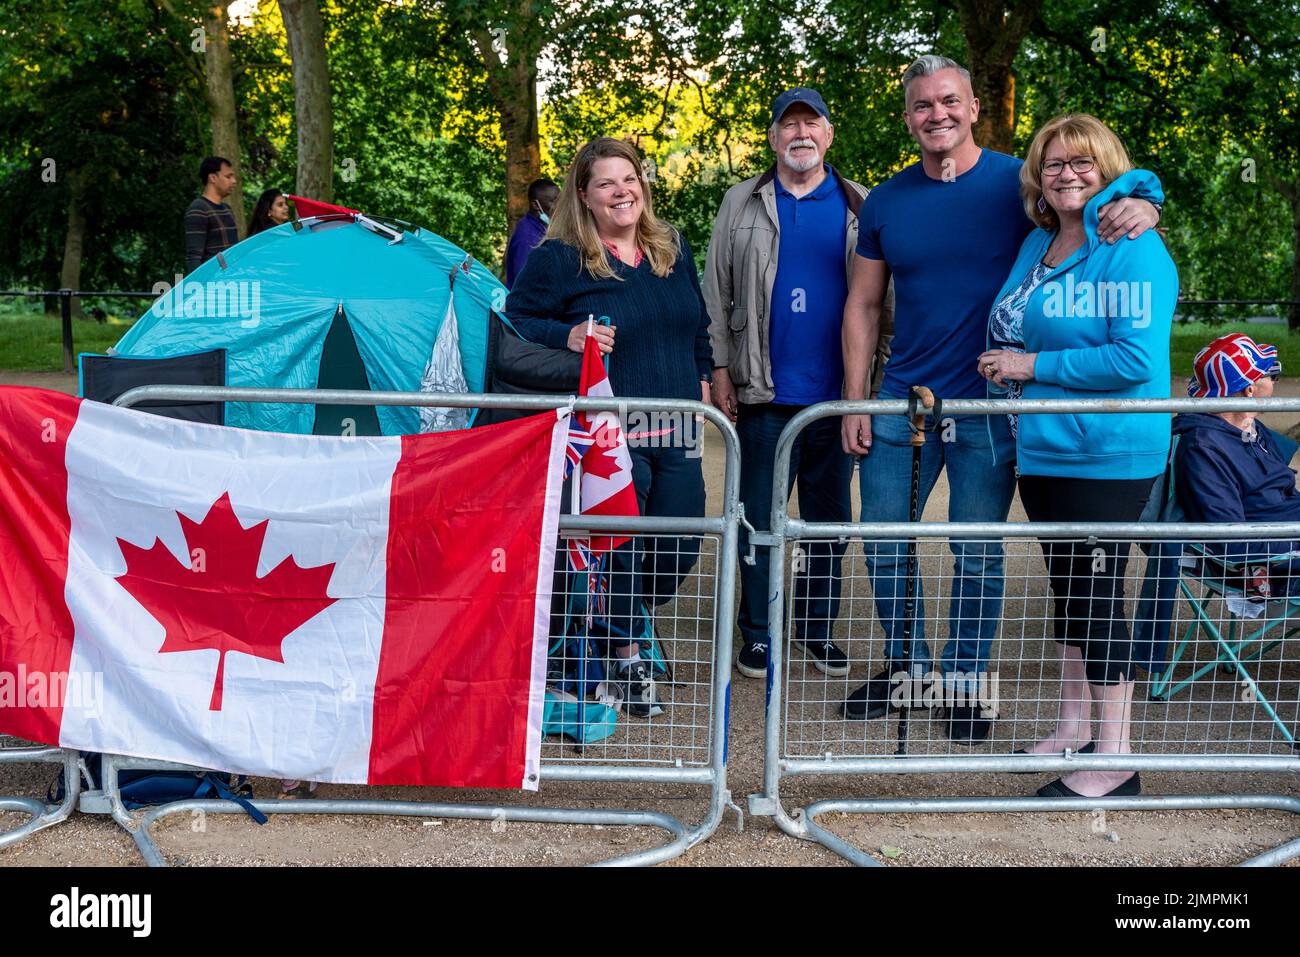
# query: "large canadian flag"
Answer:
x=362 y=610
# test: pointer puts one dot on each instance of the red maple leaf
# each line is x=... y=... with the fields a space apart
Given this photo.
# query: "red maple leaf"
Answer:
x=218 y=601
x=602 y=458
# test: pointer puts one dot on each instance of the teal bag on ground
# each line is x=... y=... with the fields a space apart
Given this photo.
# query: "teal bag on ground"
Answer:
x=581 y=721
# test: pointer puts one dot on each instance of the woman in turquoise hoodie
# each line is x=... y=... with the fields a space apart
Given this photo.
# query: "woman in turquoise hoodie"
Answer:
x=1078 y=318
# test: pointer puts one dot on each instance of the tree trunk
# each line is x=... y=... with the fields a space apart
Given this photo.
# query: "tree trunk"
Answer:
x=994 y=31
x=513 y=86
x=1293 y=312
x=995 y=85
x=313 y=114
x=221 y=103
x=74 y=239
x=519 y=129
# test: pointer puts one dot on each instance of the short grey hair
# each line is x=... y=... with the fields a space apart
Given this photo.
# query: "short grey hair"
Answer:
x=929 y=65
x=771 y=130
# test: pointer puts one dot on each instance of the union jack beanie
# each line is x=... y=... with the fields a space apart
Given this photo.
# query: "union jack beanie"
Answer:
x=1229 y=364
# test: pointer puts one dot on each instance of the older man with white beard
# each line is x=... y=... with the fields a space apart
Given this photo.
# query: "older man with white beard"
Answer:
x=775 y=285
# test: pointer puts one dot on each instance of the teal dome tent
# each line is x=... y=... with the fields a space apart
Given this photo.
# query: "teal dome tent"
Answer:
x=333 y=301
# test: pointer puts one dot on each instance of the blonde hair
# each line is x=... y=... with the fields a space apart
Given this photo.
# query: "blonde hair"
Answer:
x=573 y=223
x=1081 y=133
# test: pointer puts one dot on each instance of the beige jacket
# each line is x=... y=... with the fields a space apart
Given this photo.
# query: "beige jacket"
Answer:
x=738 y=278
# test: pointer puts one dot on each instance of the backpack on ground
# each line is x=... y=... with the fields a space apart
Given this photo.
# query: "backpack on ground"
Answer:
x=141 y=787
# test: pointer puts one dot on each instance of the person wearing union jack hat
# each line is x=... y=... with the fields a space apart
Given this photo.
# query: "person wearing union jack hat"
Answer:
x=1232 y=365
x=1230 y=468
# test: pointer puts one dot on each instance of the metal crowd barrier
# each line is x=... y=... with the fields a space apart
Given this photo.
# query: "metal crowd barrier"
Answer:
x=683 y=746
x=41 y=814
x=1217 y=690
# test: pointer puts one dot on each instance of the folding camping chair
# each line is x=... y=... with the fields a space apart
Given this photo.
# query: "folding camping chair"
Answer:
x=106 y=378
x=1203 y=580
x=1231 y=585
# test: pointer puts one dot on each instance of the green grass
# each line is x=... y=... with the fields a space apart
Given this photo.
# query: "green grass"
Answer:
x=1190 y=337
x=31 y=340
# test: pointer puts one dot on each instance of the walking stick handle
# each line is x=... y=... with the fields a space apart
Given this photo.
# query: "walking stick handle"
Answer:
x=920 y=399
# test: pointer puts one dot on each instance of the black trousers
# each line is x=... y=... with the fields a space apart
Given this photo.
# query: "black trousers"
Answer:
x=1088 y=580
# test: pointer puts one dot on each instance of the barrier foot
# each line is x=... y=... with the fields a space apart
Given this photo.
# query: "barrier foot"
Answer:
x=813 y=831
x=801 y=825
x=796 y=825
x=35 y=810
x=681 y=841
x=1279 y=855
x=42 y=815
x=740 y=815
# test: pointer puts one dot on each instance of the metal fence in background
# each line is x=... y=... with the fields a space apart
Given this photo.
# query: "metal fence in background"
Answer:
x=65 y=297
x=1198 y=308
x=1217 y=661
x=683 y=745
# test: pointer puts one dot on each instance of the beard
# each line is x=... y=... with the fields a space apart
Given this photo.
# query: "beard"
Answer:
x=802 y=165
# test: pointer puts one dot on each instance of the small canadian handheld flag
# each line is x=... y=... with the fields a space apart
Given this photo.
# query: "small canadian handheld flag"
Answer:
x=599 y=446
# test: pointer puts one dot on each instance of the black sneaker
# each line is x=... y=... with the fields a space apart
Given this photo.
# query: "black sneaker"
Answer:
x=826 y=656
x=752 y=661
x=872 y=699
x=967 y=725
x=638 y=689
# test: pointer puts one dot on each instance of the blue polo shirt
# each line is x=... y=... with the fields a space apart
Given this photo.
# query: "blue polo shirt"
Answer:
x=949 y=246
x=808 y=295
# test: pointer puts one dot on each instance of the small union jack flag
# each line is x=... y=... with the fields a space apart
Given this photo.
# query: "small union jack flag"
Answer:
x=580 y=554
x=597 y=591
x=580 y=440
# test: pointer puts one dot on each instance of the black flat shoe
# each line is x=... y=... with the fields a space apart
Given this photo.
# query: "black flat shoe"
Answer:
x=873 y=699
x=1057 y=789
x=967 y=725
x=1086 y=749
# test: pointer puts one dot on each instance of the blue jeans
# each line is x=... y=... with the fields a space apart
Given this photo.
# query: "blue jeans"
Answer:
x=823 y=472
x=979 y=491
x=647 y=571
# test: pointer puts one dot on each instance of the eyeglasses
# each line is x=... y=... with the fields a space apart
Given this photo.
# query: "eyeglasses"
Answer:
x=1080 y=164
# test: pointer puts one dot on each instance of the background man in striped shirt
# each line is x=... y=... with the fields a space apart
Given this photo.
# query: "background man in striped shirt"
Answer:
x=209 y=222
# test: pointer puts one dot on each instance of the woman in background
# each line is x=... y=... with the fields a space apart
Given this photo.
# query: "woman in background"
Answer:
x=272 y=210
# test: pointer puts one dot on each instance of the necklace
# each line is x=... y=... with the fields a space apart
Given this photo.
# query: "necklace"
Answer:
x=613 y=248
x=1050 y=261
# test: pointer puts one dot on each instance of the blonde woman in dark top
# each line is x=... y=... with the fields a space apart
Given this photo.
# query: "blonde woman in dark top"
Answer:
x=607 y=254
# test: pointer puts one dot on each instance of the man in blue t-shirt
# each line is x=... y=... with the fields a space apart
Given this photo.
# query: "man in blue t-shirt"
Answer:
x=946 y=230
x=774 y=285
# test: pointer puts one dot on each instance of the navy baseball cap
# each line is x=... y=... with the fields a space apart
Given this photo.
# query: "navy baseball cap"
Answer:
x=799 y=94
